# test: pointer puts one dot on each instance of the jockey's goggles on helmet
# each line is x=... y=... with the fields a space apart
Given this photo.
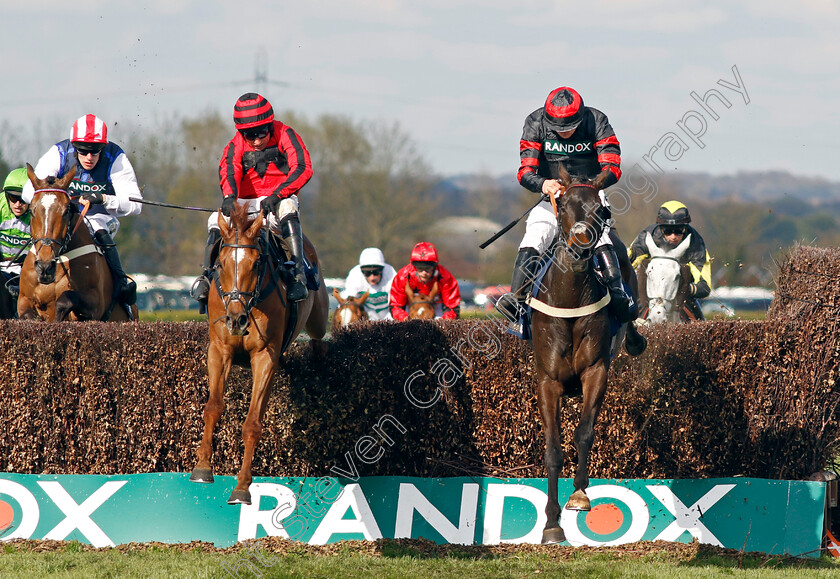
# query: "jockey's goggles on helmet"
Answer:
x=85 y=150
x=369 y=271
x=256 y=132
x=425 y=266
x=672 y=229
x=14 y=198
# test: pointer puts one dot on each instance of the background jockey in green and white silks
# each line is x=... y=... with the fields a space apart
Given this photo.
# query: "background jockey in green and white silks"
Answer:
x=14 y=237
x=106 y=179
x=14 y=223
x=374 y=276
x=581 y=138
x=671 y=229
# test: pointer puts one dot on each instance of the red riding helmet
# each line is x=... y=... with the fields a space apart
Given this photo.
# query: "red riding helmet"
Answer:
x=89 y=129
x=564 y=109
x=252 y=110
x=424 y=251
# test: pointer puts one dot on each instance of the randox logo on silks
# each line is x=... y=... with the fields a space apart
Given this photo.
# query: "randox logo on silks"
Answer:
x=559 y=148
x=79 y=187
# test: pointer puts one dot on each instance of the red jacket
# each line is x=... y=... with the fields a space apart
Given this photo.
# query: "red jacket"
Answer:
x=282 y=168
x=448 y=290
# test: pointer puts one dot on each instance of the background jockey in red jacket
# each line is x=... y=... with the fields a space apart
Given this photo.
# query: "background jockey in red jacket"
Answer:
x=263 y=166
x=421 y=275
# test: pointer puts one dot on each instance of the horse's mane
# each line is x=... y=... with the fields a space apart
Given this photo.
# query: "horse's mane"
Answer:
x=240 y=219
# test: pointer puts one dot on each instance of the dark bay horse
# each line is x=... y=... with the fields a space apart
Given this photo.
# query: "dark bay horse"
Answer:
x=65 y=276
x=349 y=311
x=571 y=338
x=421 y=306
x=249 y=314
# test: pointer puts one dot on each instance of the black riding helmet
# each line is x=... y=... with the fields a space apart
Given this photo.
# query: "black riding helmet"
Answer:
x=673 y=213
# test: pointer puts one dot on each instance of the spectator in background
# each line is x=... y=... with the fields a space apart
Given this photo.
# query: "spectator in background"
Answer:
x=14 y=237
x=421 y=275
x=374 y=276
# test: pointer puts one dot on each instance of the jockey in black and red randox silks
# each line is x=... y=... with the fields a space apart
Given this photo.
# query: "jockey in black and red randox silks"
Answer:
x=421 y=275
x=565 y=131
x=264 y=166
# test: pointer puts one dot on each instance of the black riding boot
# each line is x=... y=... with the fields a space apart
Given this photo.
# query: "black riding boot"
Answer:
x=292 y=232
x=512 y=305
x=621 y=304
x=201 y=286
x=126 y=288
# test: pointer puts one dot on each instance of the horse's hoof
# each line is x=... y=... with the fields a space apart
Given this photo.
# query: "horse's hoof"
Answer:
x=202 y=475
x=635 y=346
x=553 y=536
x=578 y=502
x=239 y=497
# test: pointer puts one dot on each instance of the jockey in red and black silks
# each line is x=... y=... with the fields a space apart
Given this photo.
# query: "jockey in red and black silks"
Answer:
x=421 y=275
x=264 y=166
x=565 y=131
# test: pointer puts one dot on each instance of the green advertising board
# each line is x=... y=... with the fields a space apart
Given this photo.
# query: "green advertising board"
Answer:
x=777 y=517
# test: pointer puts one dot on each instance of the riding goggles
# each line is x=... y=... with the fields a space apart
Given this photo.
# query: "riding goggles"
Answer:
x=256 y=132
x=85 y=151
x=672 y=229
x=14 y=198
x=369 y=271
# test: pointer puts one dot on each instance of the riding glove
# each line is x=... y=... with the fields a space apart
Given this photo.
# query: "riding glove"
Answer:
x=269 y=204
x=228 y=204
x=93 y=198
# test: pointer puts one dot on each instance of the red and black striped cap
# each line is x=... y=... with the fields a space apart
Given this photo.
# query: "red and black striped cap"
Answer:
x=564 y=109
x=252 y=110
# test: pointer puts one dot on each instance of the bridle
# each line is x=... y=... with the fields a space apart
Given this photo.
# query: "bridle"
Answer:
x=247 y=299
x=580 y=256
x=52 y=242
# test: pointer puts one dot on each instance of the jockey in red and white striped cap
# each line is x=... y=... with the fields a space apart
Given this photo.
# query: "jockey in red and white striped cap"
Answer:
x=105 y=179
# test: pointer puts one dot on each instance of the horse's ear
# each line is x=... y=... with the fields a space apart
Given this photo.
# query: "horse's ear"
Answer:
x=337 y=296
x=409 y=292
x=563 y=175
x=602 y=177
x=254 y=228
x=224 y=225
x=32 y=178
x=65 y=181
x=363 y=298
x=435 y=291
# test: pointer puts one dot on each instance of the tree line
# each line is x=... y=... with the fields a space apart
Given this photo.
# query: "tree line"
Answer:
x=372 y=186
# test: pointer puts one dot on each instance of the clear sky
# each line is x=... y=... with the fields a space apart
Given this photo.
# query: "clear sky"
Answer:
x=460 y=76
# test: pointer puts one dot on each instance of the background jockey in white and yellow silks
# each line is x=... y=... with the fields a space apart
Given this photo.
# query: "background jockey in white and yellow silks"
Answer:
x=671 y=228
x=374 y=276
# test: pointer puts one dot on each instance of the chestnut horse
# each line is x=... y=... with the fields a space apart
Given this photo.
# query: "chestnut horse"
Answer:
x=421 y=306
x=571 y=338
x=65 y=276
x=349 y=310
x=257 y=320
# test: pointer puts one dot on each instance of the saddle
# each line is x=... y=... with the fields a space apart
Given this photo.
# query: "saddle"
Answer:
x=280 y=254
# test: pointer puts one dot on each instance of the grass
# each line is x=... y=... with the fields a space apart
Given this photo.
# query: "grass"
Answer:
x=401 y=559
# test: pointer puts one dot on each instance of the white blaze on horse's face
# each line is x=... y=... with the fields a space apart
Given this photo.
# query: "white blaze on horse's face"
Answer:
x=239 y=255
x=345 y=316
x=663 y=279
